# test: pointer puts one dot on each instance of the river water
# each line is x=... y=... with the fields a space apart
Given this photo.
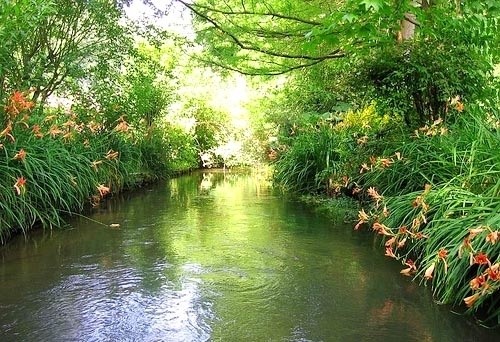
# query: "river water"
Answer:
x=213 y=257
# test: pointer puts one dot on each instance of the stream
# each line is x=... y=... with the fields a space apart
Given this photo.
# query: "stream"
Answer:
x=213 y=256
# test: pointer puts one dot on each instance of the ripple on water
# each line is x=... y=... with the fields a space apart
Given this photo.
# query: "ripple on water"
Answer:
x=113 y=305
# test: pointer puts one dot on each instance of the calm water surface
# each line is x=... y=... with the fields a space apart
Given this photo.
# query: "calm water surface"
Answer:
x=213 y=257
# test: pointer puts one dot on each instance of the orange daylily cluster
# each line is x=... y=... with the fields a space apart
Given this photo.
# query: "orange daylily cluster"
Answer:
x=17 y=103
x=482 y=283
x=436 y=128
x=383 y=162
x=466 y=246
x=397 y=239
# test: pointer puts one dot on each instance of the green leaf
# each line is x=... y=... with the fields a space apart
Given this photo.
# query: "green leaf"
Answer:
x=349 y=17
x=372 y=4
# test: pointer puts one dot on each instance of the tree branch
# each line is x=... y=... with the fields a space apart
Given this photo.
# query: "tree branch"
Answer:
x=265 y=14
x=258 y=73
x=332 y=55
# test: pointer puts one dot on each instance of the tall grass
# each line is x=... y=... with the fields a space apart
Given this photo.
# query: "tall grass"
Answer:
x=434 y=196
x=51 y=165
x=450 y=229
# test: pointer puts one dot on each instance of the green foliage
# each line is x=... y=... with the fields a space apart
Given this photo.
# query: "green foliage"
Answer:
x=318 y=151
x=417 y=79
x=168 y=151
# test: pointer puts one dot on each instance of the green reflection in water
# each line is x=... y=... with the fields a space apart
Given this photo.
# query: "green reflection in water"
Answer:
x=213 y=256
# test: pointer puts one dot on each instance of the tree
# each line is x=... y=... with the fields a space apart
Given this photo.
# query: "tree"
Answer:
x=48 y=42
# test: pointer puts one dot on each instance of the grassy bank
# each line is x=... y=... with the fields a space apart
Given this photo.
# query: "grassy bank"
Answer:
x=431 y=194
x=53 y=164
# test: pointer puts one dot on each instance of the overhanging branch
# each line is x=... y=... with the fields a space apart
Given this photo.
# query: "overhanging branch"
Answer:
x=332 y=55
x=264 y=14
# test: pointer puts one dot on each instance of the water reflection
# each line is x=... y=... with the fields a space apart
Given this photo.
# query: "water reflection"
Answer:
x=213 y=257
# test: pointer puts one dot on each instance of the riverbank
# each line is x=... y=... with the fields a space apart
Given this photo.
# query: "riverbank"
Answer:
x=432 y=195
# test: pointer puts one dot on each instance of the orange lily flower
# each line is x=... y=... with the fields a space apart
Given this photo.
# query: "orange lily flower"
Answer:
x=7 y=132
x=416 y=223
x=420 y=235
x=69 y=124
x=68 y=135
x=412 y=268
x=111 y=155
x=362 y=217
x=372 y=192
x=20 y=184
x=385 y=211
x=475 y=231
x=37 y=131
x=123 y=126
x=345 y=179
x=95 y=163
x=465 y=246
x=481 y=259
x=386 y=162
x=492 y=237
x=390 y=242
x=21 y=155
x=381 y=229
x=469 y=301
x=364 y=167
x=493 y=272
x=477 y=282
x=54 y=130
x=103 y=190
x=427 y=189
x=429 y=271
x=442 y=254
x=390 y=253
x=363 y=140
x=417 y=202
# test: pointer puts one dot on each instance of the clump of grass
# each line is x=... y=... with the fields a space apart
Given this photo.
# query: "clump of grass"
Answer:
x=338 y=210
